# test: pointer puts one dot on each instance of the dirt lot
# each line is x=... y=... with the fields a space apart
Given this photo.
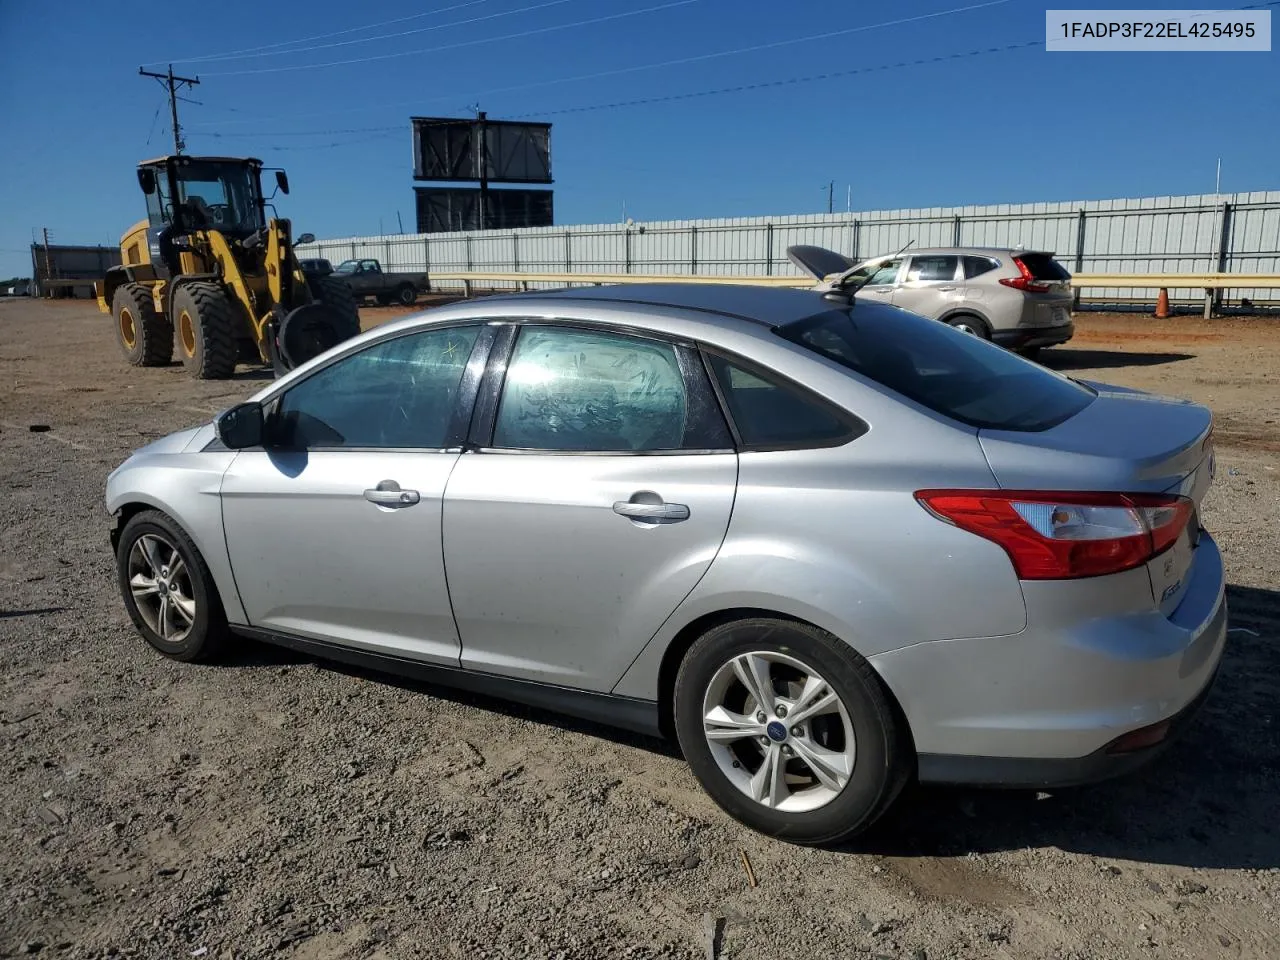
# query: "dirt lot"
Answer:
x=280 y=807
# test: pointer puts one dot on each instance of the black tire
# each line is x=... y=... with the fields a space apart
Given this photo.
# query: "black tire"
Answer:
x=1031 y=353
x=884 y=757
x=406 y=294
x=145 y=336
x=208 y=324
x=970 y=323
x=208 y=633
x=336 y=292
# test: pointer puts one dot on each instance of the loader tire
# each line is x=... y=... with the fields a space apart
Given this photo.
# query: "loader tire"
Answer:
x=206 y=320
x=336 y=292
x=145 y=336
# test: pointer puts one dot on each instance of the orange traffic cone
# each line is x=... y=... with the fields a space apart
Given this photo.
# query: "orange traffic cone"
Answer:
x=1162 y=305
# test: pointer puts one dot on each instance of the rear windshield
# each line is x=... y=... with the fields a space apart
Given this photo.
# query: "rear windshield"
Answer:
x=955 y=374
x=1044 y=267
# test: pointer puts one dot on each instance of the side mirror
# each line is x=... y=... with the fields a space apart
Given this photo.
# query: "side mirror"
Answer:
x=306 y=238
x=147 y=180
x=282 y=181
x=241 y=426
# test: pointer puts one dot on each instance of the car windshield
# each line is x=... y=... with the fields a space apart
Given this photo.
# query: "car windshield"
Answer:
x=953 y=373
x=347 y=266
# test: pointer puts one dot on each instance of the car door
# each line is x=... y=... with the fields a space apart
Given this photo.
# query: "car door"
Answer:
x=597 y=496
x=333 y=527
x=371 y=274
x=883 y=279
x=931 y=284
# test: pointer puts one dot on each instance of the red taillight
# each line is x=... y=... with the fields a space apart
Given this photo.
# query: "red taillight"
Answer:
x=1064 y=535
x=1025 y=282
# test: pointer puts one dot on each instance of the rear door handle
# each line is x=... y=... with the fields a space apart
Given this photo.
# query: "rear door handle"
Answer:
x=388 y=494
x=948 y=289
x=652 y=512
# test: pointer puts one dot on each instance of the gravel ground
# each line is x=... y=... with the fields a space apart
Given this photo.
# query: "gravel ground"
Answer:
x=276 y=806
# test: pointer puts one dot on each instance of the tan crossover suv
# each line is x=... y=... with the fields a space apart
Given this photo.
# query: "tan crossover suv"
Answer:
x=1020 y=299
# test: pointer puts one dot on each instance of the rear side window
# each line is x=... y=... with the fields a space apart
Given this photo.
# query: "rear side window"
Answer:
x=773 y=415
x=952 y=373
x=1044 y=267
x=932 y=268
x=977 y=266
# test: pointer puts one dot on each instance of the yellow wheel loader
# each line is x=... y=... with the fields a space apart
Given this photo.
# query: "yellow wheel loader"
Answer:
x=207 y=271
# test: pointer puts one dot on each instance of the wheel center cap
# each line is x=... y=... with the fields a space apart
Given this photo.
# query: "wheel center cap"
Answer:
x=777 y=731
x=164 y=587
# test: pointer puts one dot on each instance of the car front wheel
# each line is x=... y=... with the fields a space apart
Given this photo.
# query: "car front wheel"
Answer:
x=789 y=730
x=167 y=589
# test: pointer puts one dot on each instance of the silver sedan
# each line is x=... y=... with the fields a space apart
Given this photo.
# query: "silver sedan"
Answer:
x=826 y=545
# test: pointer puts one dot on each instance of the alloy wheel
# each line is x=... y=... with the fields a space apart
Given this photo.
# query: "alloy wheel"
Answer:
x=778 y=731
x=160 y=582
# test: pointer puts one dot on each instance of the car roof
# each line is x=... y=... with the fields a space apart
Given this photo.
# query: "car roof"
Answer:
x=960 y=251
x=769 y=306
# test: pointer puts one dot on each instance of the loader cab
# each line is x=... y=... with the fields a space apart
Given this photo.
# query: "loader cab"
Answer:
x=185 y=194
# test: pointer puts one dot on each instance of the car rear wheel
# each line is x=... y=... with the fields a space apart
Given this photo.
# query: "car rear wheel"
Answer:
x=407 y=295
x=789 y=730
x=167 y=589
x=970 y=324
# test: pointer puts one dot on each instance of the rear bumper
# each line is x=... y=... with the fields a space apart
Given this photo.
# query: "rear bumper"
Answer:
x=1031 y=773
x=1046 y=706
x=1022 y=337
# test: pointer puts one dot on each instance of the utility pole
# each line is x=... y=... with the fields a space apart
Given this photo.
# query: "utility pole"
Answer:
x=482 y=158
x=173 y=84
x=831 y=196
x=48 y=267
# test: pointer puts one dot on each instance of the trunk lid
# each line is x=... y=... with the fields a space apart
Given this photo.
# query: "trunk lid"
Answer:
x=1126 y=441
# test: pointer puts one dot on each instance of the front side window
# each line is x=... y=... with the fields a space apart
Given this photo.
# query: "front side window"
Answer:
x=396 y=394
x=957 y=375
x=770 y=414
x=878 y=273
x=579 y=390
x=346 y=266
x=933 y=268
x=218 y=195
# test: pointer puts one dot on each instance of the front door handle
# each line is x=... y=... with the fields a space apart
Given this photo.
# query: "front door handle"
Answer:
x=388 y=494
x=948 y=289
x=652 y=512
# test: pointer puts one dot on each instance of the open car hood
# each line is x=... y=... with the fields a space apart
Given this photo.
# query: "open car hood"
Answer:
x=819 y=262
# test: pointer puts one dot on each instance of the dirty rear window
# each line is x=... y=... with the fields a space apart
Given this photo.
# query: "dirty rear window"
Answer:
x=955 y=374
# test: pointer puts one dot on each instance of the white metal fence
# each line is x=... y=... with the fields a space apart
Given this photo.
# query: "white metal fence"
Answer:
x=1237 y=233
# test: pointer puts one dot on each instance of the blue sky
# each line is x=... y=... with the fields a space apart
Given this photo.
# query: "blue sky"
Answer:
x=1016 y=125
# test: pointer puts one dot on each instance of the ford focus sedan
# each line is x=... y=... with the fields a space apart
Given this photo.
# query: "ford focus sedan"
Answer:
x=826 y=545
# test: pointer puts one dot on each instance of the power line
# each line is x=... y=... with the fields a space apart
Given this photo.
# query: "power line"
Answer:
x=811 y=78
x=390 y=36
x=698 y=58
x=323 y=36
x=679 y=61
x=383 y=132
x=454 y=46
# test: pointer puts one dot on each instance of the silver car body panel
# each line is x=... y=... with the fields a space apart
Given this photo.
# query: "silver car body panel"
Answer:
x=347 y=570
x=548 y=583
x=184 y=480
